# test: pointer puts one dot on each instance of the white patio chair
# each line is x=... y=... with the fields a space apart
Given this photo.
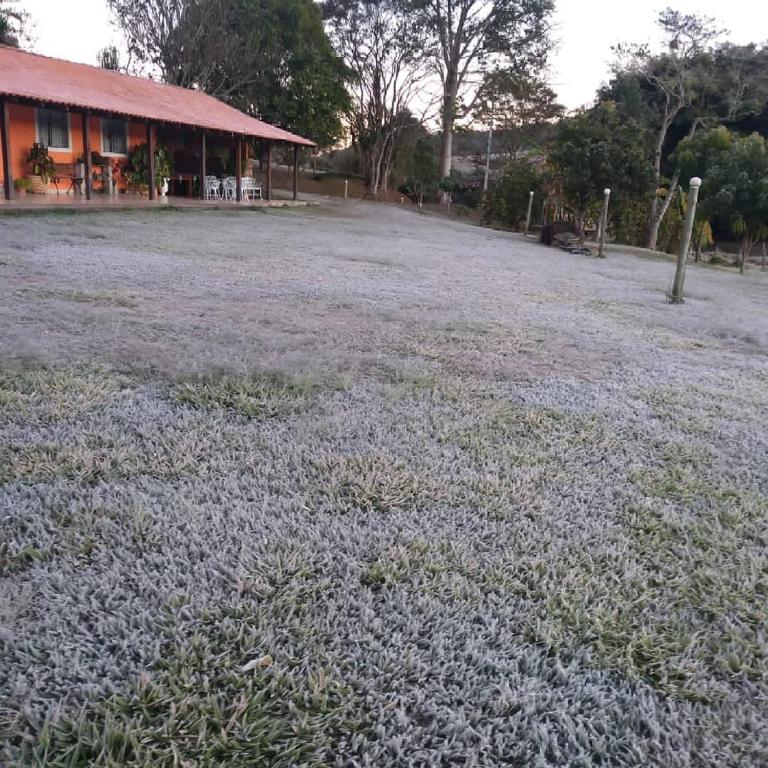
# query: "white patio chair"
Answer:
x=212 y=188
x=230 y=188
x=251 y=188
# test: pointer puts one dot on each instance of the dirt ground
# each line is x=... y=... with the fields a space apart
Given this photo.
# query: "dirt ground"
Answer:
x=350 y=486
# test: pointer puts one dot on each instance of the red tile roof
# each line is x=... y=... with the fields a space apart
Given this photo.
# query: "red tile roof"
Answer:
x=79 y=86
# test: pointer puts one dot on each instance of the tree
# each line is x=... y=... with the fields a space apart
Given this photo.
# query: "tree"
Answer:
x=725 y=84
x=695 y=155
x=423 y=171
x=595 y=149
x=470 y=38
x=513 y=103
x=735 y=190
x=676 y=80
x=12 y=24
x=270 y=58
x=507 y=200
x=298 y=81
x=385 y=54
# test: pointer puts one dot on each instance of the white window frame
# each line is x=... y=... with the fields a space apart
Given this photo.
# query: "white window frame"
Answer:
x=103 y=142
x=69 y=128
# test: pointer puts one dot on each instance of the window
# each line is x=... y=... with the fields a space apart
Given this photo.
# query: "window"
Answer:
x=114 y=136
x=53 y=128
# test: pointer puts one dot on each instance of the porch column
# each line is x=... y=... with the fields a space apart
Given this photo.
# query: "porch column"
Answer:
x=88 y=180
x=239 y=169
x=5 y=140
x=295 y=171
x=151 y=160
x=269 y=171
x=203 y=169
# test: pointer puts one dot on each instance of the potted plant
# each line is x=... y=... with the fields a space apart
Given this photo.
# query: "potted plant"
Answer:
x=42 y=166
x=22 y=186
x=139 y=175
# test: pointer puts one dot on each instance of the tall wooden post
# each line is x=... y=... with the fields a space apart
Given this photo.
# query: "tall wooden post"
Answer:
x=269 y=171
x=88 y=180
x=603 y=222
x=296 y=172
x=685 y=245
x=239 y=170
x=5 y=140
x=203 y=169
x=151 y=160
x=528 y=215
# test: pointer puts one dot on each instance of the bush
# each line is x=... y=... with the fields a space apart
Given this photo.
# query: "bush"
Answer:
x=507 y=200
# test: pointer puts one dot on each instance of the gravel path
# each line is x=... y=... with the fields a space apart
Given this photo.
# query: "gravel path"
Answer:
x=347 y=486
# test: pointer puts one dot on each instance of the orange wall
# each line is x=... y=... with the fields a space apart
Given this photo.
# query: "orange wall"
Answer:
x=23 y=135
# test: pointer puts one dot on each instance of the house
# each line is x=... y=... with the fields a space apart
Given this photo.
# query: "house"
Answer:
x=91 y=118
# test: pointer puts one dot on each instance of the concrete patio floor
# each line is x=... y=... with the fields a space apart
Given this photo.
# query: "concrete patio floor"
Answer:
x=29 y=202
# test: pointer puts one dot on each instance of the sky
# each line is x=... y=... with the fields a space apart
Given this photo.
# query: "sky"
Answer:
x=585 y=30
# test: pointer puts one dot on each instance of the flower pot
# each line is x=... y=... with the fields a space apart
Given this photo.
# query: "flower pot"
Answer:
x=164 y=188
x=38 y=185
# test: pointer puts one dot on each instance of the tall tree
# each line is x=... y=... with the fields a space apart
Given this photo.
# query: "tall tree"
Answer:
x=725 y=84
x=270 y=58
x=675 y=79
x=385 y=54
x=469 y=38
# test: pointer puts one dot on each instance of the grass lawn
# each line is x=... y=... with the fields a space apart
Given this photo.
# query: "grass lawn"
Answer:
x=349 y=486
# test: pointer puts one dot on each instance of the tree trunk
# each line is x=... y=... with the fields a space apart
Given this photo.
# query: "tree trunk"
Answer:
x=657 y=215
x=747 y=244
x=653 y=216
x=448 y=121
x=446 y=147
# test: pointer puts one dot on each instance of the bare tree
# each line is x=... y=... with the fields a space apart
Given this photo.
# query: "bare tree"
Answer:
x=185 y=42
x=385 y=53
x=472 y=37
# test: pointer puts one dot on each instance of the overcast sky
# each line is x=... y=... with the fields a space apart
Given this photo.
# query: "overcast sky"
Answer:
x=585 y=31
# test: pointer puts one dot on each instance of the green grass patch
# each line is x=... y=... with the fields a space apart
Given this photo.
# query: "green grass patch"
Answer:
x=265 y=396
x=247 y=683
x=370 y=483
x=678 y=600
x=91 y=459
x=57 y=393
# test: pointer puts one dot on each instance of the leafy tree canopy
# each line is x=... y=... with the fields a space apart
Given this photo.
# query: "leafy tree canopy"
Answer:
x=270 y=58
x=735 y=188
x=598 y=148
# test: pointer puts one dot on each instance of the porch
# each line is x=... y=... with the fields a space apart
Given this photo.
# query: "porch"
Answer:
x=70 y=128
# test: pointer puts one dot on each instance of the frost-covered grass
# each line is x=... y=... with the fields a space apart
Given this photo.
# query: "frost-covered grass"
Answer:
x=352 y=487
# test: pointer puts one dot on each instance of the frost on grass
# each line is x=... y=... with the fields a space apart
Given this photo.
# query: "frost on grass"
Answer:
x=226 y=691
x=529 y=532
